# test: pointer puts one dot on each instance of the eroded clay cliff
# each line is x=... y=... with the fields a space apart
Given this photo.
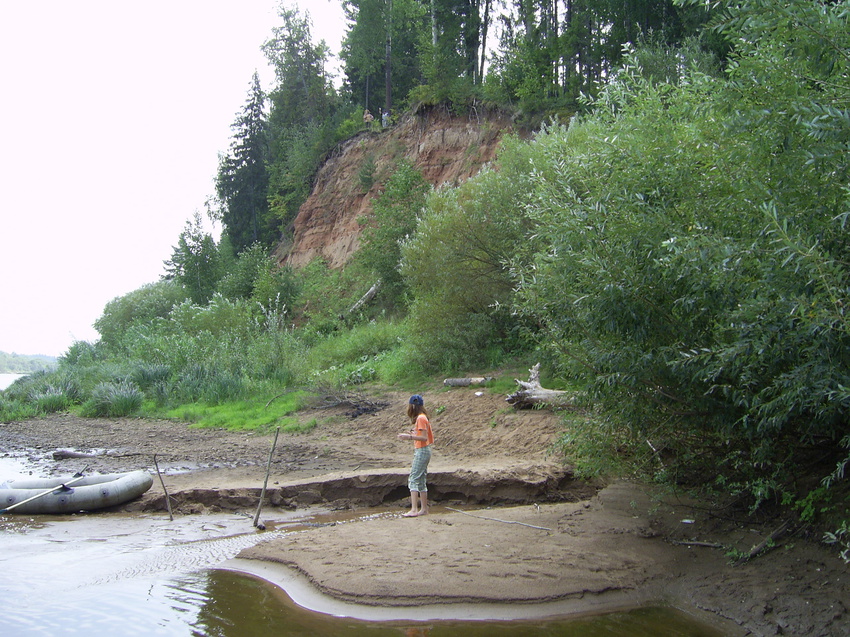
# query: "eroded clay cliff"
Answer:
x=445 y=149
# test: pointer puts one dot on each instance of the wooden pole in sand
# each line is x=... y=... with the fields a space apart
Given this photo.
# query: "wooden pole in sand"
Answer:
x=266 y=482
x=164 y=490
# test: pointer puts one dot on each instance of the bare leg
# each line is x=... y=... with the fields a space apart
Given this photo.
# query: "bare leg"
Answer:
x=423 y=499
x=414 y=505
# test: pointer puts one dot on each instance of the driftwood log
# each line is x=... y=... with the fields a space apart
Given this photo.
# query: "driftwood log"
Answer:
x=366 y=297
x=65 y=454
x=466 y=382
x=532 y=394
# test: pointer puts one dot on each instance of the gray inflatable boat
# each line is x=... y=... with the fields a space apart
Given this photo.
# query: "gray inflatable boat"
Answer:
x=72 y=493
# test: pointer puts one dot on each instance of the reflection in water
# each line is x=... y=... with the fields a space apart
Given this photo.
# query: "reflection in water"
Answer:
x=241 y=606
x=126 y=575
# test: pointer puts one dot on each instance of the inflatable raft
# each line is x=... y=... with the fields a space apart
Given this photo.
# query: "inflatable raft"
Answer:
x=73 y=493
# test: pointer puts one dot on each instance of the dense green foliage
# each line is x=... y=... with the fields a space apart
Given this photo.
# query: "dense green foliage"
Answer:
x=409 y=53
x=23 y=364
x=242 y=183
x=392 y=220
x=457 y=266
x=691 y=254
x=678 y=251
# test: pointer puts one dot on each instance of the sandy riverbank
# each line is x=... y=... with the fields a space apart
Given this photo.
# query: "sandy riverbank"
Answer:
x=600 y=546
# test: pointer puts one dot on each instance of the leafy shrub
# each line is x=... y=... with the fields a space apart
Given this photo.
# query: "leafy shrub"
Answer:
x=113 y=400
x=458 y=264
x=147 y=375
x=452 y=342
x=394 y=217
x=220 y=315
x=275 y=290
x=276 y=354
x=841 y=538
x=366 y=174
x=51 y=399
x=327 y=294
x=242 y=276
x=208 y=384
x=16 y=410
x=349 y=126
x=150 y=301
x=691 y=249
x=359 y=343
x=80 y=353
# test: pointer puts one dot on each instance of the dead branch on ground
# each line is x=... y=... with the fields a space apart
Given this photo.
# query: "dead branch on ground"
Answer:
x=532 y=394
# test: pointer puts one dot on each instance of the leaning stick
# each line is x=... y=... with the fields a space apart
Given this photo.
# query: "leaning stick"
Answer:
x=164 y=490
x=711 y=545
x=481 y=517
x=266 y=482
x=764 y=544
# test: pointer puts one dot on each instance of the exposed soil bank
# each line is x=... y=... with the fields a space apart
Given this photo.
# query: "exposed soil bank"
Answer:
x=544 y=537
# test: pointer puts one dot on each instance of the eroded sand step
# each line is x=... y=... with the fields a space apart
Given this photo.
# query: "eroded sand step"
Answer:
x=365 y=488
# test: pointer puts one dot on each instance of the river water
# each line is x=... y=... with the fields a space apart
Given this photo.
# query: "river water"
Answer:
x=8 y=379
x=123 y=574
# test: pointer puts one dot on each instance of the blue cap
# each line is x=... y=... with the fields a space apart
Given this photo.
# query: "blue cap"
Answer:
x=416 y=399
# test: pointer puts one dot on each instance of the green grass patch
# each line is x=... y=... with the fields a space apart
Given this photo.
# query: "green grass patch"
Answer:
x=501 y=385
x=293 y=426
x=257 y=413
x=16 y=410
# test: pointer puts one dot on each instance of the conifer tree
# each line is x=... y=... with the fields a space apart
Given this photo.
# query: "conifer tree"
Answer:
x=242 y=181
x=304 y=108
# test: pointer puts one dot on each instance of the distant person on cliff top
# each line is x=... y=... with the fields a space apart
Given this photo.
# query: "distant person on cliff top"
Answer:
x=422 y=436
x=368 y=118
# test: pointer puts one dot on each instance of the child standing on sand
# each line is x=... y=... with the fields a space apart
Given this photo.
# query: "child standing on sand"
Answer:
x=422 y=437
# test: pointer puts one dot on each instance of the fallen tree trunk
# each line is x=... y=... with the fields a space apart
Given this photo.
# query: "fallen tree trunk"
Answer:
x=532 y=394
x=366 y=297
x=466 y=382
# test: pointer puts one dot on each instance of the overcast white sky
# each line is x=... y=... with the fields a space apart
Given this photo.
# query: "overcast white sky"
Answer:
x=111 y=120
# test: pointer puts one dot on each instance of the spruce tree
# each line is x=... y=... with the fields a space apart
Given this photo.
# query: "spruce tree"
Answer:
x=242 y=181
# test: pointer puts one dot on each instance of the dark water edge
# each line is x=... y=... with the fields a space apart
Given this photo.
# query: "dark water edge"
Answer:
x=241 y=605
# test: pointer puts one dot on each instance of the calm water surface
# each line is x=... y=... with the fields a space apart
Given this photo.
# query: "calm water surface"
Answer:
x=131 y=574
x=8 y=379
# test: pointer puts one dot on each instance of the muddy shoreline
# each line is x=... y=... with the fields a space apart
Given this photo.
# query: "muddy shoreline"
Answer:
x=509 y=525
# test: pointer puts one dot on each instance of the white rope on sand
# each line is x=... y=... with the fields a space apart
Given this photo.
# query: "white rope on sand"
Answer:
x=482 y=517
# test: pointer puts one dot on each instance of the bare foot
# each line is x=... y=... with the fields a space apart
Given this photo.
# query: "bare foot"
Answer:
x=410 y=514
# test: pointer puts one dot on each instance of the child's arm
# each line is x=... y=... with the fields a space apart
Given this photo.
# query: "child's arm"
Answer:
x=420 y=434
x=413 y=436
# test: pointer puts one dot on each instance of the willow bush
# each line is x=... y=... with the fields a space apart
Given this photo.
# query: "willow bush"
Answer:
x=457 y=262
x=691 y=255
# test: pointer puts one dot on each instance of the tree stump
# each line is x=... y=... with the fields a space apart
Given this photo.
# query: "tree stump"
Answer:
x=532 y=394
